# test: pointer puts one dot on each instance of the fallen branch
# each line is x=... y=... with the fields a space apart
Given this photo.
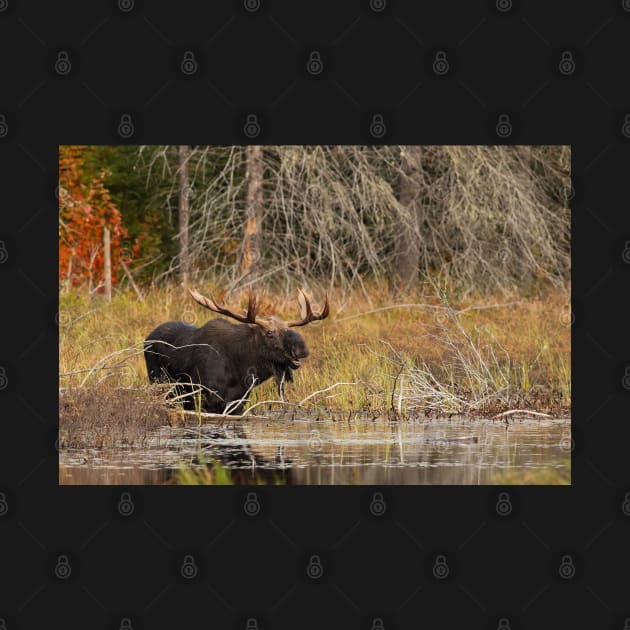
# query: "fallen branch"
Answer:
x=513 y=411
x=220 y=416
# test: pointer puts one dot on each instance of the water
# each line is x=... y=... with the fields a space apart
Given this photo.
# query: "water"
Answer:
x=364 y=451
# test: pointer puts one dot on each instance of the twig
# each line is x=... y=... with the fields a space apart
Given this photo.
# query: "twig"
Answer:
x=402 y=367
x=388 y=308
x=233 y=404
x=431 y=306
x=92 y=369
x=99 y=364
x=134 y=286
x=321 y=391
x=488 y=306
x=268 y=402
x=512 y=411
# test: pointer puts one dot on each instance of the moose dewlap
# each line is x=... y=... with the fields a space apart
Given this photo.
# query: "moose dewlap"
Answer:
x=217 y=365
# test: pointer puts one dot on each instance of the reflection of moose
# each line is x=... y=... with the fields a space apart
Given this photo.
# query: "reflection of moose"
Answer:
x=239 y=460
x=227 y=360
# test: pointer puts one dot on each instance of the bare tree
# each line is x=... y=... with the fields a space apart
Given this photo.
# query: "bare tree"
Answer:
x=407 y=247
x=250 y=255
x=480 y=217
x=184 y=213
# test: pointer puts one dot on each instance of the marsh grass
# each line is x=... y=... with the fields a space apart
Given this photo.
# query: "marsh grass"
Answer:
x=103 y=416
x=433 y=356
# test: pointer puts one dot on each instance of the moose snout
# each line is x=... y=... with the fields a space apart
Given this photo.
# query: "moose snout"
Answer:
x=296 y=345
x=301 y=351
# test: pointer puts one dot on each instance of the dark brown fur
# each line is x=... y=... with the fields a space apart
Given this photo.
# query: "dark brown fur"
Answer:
x=225 y=358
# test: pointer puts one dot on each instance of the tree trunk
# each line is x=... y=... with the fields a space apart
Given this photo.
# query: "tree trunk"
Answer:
x=253 y=212
x=184 y=214
x=407 y=253
x=107 y=264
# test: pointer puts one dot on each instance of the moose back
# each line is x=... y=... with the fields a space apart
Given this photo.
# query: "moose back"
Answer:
x=218 y=364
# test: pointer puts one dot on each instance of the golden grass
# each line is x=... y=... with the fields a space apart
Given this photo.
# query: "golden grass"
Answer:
x=519 y=347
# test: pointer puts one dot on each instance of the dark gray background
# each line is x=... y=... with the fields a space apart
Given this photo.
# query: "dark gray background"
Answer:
x=378 y=59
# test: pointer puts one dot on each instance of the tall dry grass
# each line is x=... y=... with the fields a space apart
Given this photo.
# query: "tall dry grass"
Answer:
x=426 y=356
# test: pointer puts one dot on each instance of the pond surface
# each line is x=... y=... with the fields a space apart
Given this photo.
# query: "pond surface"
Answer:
x=323 y=452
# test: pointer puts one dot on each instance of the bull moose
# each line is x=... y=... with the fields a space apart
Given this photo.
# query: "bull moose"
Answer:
x=222 y=362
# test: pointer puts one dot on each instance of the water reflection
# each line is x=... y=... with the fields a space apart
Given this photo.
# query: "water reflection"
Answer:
x=324 y=452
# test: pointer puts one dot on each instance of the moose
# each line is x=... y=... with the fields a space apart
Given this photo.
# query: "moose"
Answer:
x=220 y=362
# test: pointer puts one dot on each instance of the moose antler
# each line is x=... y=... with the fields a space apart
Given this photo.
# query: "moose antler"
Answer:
x=310 y=316
x=249 y=318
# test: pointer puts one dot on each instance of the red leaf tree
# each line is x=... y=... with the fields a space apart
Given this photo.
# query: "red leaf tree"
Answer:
x=85 y=208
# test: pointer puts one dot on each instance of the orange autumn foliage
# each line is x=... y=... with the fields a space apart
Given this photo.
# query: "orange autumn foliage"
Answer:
x=85 y=207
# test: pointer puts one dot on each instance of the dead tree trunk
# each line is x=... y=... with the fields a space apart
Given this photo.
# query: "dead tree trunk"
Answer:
x=184 y=214
x=408 y=245
x=107 y=264
x=253 y=212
